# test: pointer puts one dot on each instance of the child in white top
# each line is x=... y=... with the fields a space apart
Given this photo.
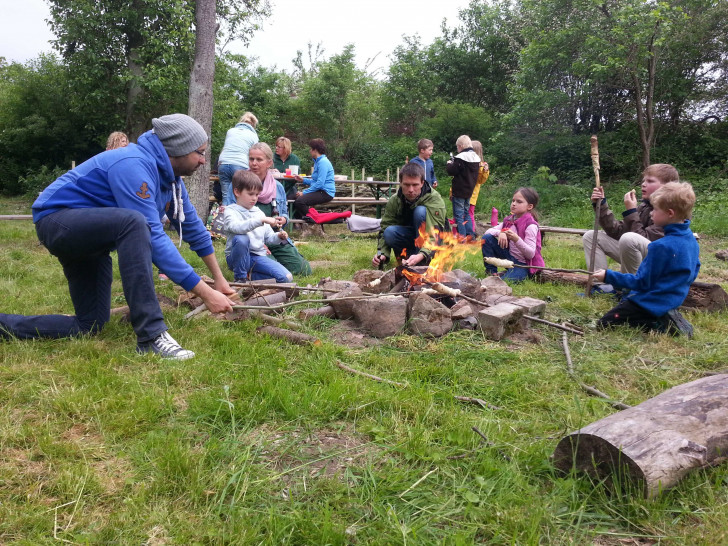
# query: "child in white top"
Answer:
x=248 y=231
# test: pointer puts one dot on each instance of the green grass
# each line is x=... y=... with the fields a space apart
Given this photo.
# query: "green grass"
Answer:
x=259 y=441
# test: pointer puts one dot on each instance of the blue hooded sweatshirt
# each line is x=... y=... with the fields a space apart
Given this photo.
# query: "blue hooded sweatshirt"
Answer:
x=137 y=177
x=664 y=277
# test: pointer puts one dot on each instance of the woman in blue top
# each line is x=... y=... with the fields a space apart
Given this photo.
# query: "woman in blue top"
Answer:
x=234 y=155
x=321 y=187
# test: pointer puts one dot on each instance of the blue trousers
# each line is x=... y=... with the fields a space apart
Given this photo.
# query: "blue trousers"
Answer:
x=82 y=240
x=461 y=215
x=491 y=249
x=400 y=238
x=226 y=172
x=241 y=261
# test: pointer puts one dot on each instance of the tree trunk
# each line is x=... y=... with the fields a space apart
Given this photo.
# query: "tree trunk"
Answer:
x=657 y=442
x=200 y=99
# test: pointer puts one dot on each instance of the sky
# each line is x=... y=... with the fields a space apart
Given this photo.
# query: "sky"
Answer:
x=375 y=27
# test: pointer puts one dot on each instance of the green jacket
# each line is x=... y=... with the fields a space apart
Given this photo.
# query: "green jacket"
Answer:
x=396 y=213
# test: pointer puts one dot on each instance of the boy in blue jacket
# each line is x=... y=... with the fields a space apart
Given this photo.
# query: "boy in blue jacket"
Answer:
x=115 y=201
x=663 y=279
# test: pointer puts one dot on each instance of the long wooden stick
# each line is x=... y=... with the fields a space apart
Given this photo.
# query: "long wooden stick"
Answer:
x=584 y=386
x=597 y=210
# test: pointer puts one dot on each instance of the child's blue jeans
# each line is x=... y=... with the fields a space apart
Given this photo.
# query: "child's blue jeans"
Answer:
x=460 y=213
x=491 y=249
x=241 y=261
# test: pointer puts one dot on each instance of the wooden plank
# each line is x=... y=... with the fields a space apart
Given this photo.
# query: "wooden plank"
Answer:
x=16 y=217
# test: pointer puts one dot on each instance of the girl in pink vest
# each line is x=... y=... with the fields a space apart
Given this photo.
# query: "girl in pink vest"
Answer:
x=517 y=238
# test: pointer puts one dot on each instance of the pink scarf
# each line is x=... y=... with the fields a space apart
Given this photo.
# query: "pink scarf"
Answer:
x=269 y=189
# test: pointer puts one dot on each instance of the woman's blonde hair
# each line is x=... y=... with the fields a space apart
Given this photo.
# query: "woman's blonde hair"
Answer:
x=263 y=147
x=285 y=143
x=115 y=140
x=250 y=119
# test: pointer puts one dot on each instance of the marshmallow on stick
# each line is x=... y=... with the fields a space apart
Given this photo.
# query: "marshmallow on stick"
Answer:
x=498 y=262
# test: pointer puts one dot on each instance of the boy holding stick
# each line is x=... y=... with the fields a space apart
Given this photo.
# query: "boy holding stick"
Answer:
x=626 y=240
x=663 y=279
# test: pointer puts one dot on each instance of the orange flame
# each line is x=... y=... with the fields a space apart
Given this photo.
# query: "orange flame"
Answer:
x=448 y=249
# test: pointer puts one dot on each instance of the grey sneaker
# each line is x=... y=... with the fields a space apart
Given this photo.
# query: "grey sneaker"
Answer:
x=676 y=324
x=165 y=346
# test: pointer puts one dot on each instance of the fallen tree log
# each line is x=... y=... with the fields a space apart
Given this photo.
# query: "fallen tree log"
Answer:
x=657 y=442
x=703 y=296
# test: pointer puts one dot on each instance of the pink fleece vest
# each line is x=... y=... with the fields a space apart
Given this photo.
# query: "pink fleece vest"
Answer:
x=521 y=224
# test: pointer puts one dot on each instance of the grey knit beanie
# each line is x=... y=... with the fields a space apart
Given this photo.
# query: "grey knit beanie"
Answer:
x=179 y=133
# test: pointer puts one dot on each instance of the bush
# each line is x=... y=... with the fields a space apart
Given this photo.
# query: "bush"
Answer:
x=34 y=183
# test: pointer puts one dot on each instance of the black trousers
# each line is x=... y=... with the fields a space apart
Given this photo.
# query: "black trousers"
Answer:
x=307 y=200
x=633 y=315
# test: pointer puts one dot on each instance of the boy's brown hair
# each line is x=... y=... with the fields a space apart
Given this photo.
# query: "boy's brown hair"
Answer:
x=678 y=196
x=246 y=180
x=424 y=143
x=664 y=172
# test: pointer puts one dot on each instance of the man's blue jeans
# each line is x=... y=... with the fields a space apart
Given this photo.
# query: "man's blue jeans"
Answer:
x=403 y=237
x=82 y=240
x=491 y=249
x=226 y=172
x=460 y=208
x=241 y=261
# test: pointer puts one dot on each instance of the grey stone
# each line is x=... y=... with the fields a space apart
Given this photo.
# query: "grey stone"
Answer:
x=722 y=255
x=381 y=317
x=364 y=276
x=496 y=285
x=500 y=320
x=427 y=316
x=345 y=309
x=533 y=306
x=469 y=323
x=469 y=285
x=495 y=299
x=461 y=310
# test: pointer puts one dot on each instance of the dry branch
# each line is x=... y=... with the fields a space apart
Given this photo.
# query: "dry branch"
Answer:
x=478 y=401
x=369 y=376
x=584 y=386
x=597 y=209
x=289 y=335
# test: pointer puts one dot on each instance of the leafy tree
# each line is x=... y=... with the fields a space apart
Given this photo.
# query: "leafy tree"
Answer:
x=37 y=123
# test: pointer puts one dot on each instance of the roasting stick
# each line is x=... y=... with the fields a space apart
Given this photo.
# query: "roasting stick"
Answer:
x=455 y=292
x=597 y=207
x=508 y=264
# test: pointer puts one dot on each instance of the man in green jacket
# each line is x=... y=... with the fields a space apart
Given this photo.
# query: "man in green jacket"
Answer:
x=414 y=204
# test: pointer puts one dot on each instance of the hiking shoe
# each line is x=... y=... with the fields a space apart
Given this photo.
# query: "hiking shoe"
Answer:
x=677 y=325
x=165 y=346
x=603 y=289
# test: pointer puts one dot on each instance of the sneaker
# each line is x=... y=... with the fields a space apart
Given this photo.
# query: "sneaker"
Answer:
x=603 y=289
x=165 y=346
x=677 y=325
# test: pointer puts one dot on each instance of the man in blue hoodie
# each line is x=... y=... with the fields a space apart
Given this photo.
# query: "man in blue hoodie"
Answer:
x=115 y=201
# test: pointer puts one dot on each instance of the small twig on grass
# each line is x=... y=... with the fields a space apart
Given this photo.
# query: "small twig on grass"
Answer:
x=275 y=321
x=369 y=376
x=478 y=401
x=485 y=442
x=584 y=386
x=418 y=482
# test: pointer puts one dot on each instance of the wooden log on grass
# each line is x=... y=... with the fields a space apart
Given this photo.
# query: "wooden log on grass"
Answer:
x=703 y=296
x=325 y=311
x=289 y=335
x=657 y=442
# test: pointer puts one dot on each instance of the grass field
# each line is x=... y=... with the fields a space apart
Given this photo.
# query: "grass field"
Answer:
x=256 y=441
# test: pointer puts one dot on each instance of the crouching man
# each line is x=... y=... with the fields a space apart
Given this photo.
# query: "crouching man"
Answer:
x=414 y=204
x=115 y=201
